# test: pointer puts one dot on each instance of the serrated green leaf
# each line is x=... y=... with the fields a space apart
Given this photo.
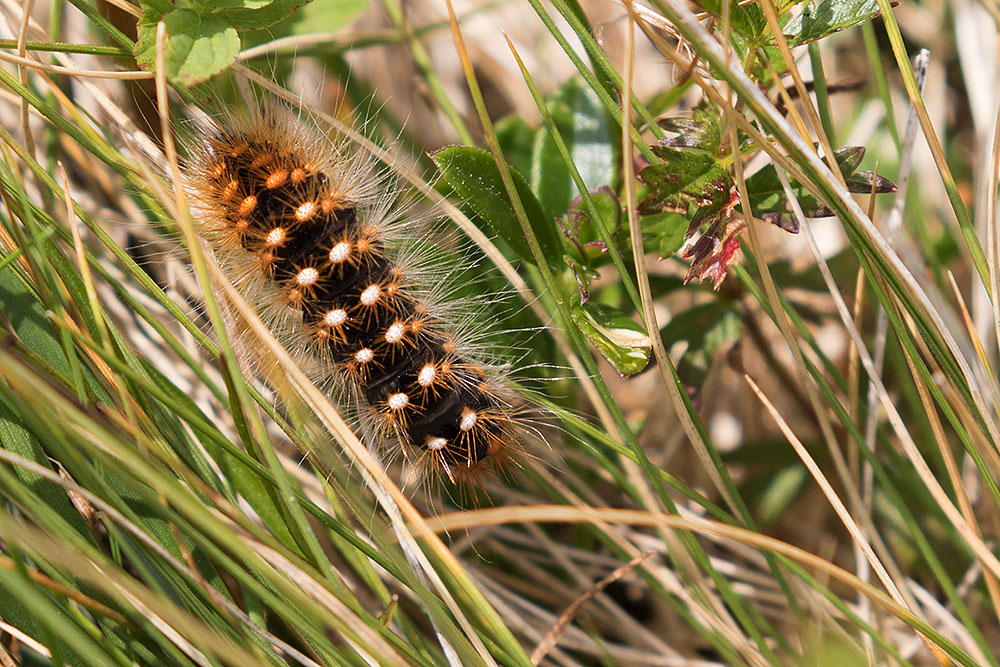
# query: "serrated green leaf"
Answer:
x=619 y=339
x=199 y=46
x=694 y=166
x=473 y=174
x=586 y=129
x=828 y=17
x=681 y=177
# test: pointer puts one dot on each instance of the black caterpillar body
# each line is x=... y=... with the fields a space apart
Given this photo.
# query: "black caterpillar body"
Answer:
x=305 y=230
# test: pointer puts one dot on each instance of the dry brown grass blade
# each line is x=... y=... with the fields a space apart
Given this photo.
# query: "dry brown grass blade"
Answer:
x=831 y=495
x=786 y=53
x=709 y=528
x=27 y=63
x=181 y=628
x=62 y=589
x=25 y=639
x=663 y=364
x=993 y=227
x=642 y=275
x=318 y=592
x=756 y=98
x=970 y=330
x=736 y=120
x=954 y=474
x=546 y=514
x=551 y=638
x=845 y=517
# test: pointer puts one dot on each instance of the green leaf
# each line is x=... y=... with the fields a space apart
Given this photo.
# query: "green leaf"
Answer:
x=700 y=131
x=590 y=138
x=28 y=320
x=707 y=328
x=694 y=165
x=202 y=37
x=747 y=19
x=765 y=182
x=664 y=233
x=204 y=7
x=198 y=46
x=517 y=140
x=17 y=439
x=581 y=229
x=681 y=177
x=473 y=174
x=619 y=339
x=862 y=181
x=849 y=158
x=258 y=16
x=767 y=197
x=828 y=17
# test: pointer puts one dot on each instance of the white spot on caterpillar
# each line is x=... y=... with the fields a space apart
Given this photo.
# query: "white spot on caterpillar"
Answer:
x=395 y=333
x=370 y=296
x=364 y=355
x=468 y=419
x=335 y=317
x=275 y=237
x=305 y=211
x=435 y=444
x=426 y=376
x=398 y=401
x=307 y=277
x=340 y=253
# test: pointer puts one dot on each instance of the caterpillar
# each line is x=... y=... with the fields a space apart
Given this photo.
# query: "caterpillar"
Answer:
x=316 y=241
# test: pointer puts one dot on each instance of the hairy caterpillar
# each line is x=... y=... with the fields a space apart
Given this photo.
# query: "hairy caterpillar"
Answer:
x=315 y=239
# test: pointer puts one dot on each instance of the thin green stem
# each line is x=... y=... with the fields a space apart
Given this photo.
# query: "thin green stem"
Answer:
x=822 y=94
x=67 y=47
